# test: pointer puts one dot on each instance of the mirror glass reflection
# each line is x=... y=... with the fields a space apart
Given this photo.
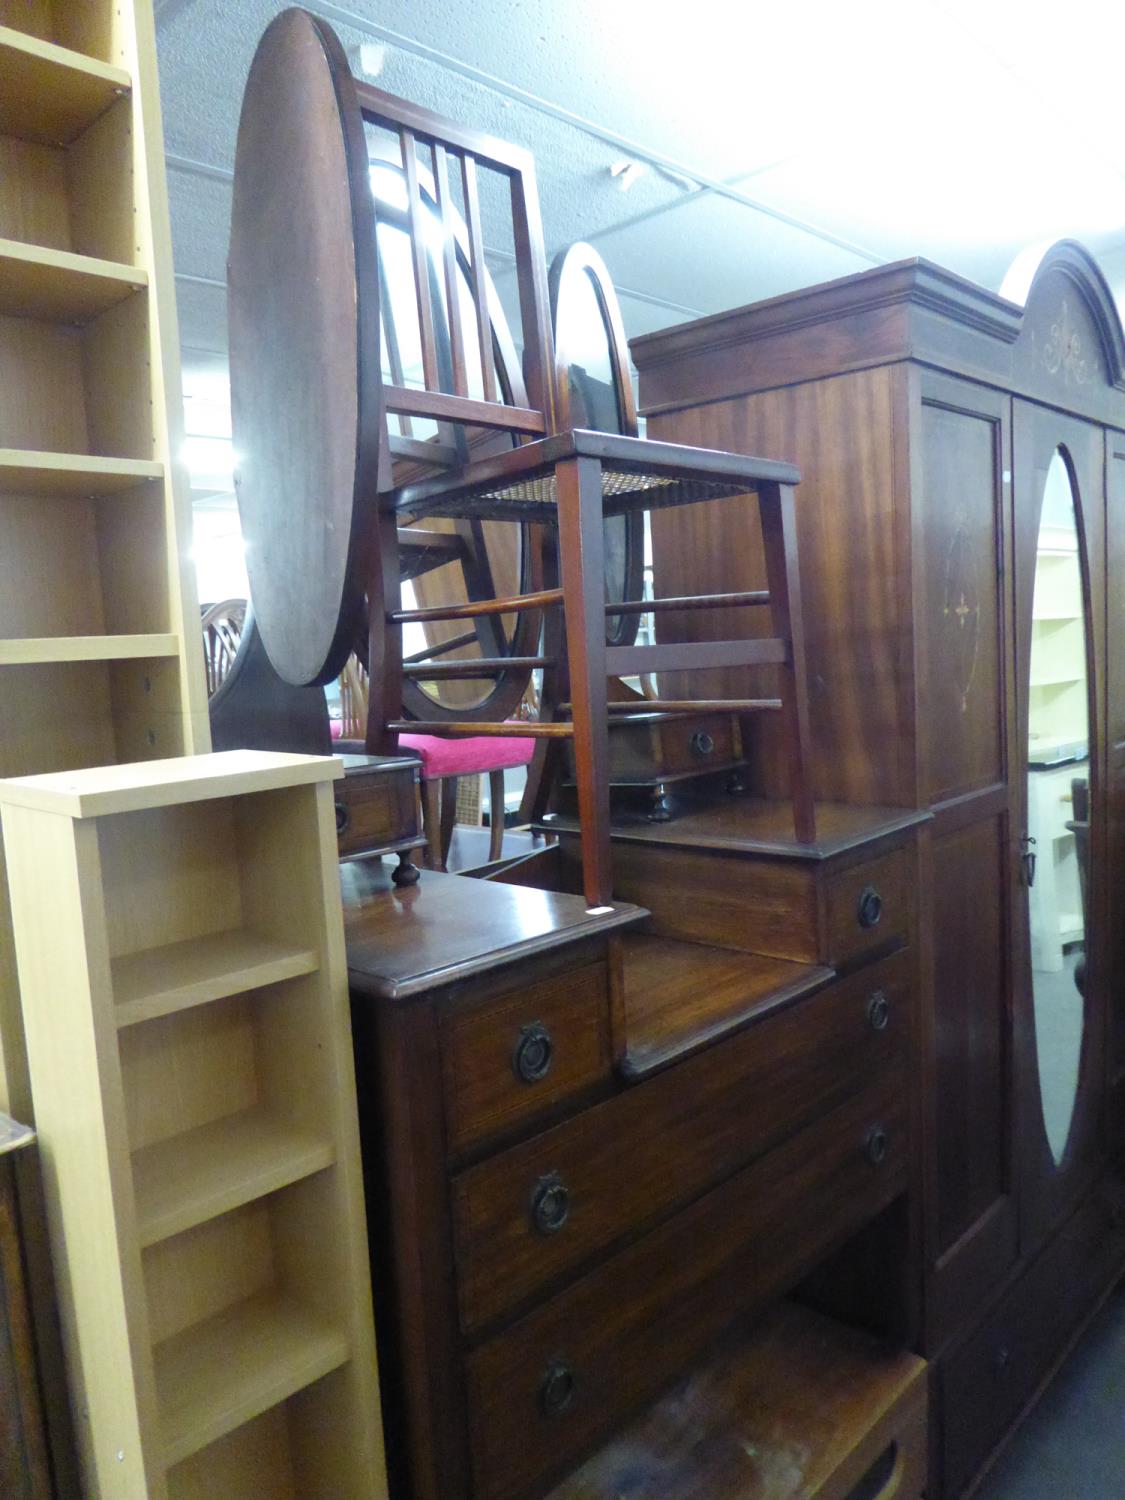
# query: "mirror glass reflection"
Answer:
x=1057 y=799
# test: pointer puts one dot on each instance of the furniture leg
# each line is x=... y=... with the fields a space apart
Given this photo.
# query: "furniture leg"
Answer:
x=431 y=823
x=583 y=582
x=779 y=534
x=495 y=814
x=448 y=817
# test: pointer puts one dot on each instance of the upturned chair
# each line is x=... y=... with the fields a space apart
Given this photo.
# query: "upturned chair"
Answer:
x=485 y=457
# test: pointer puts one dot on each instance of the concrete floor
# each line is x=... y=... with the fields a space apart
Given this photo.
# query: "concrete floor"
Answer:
x=1072 y=1447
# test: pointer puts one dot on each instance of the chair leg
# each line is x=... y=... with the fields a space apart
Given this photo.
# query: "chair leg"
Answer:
x=495 y=814
x=448 y=816
x=583 y=582
x=779 y=533
x=431 y=823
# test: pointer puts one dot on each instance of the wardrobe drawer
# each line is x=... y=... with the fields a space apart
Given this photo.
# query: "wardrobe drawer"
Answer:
x=545 y=1391
x=987 y=1381
x=376 y=809
x=540 y=1210
x=509 y=1060
x=868 y=907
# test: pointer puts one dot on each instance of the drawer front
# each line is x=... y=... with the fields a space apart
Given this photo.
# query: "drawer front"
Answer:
x=547 y=1390
x=508 y=1061
x=538 y=1212
x=644 y=752
x=695 y=744
x=986 y=1383
x=869 y=906
x=374 y=811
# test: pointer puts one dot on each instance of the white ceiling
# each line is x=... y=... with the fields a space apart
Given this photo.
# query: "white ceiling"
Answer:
x=782 y=144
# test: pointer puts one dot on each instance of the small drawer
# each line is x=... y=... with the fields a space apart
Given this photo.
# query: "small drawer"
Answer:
x=540 y=1210
x=653 y=748
x=868 y=907
x=376 y=810
x=571 y=1371
x=509 y=1061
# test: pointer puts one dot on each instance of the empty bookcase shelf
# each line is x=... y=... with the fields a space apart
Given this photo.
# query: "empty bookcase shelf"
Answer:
x=36 y=282
x=51 y=94
x=158 y=981
x=180 y=946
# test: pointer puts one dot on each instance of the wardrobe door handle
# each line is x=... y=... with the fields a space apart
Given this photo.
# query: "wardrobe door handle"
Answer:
x=533 y=1053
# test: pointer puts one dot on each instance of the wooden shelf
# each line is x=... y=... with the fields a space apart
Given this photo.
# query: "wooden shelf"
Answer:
x=681 y=996
x=229 y=1369
x=158 y=981
x=60 y=648
x=51 y=94
x=28 y=471
x=203 y=1173
x=797 y=1407
x=54 y=284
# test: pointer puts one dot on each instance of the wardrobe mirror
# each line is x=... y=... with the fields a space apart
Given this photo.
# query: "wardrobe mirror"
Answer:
x=1058 y=783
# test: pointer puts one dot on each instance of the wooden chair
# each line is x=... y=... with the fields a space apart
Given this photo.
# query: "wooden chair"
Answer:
x=445 y=767
x=222 y=633
x=566 y=481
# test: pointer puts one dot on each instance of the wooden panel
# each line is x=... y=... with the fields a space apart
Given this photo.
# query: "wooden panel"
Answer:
x=800 y=1409
x=972 y=1068
x=987 y=1382
x=33 y=193
x=638 y=1321
x=484 y=1093
x=42 y=396
x=839 y=431
x=762 y=906
x=24 y=1474
x=964 y=452
x=627 y=1163
x=869 y=906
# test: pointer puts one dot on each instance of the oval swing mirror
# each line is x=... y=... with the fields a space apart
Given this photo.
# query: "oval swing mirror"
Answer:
x=1058 y=790
x=594 y=390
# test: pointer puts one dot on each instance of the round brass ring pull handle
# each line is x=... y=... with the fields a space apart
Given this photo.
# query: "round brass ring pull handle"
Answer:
x=703 y=743
x=878 y=1011
x=876 y=1145
x=343 y=817
x=557 y=1390
x=533 y=1054
x=870 y=907
x=550 y=1204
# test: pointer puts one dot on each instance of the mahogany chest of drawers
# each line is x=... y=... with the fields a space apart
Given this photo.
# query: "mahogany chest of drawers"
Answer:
x=591 y=1147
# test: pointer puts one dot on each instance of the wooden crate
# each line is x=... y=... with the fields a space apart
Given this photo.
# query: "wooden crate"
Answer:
x=181 y=960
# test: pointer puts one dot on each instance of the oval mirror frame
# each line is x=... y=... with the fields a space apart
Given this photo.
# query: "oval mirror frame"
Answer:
x=586 y=317
x=1059 y=739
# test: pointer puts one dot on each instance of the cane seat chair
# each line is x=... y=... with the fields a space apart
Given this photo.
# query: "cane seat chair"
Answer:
x=305 y=330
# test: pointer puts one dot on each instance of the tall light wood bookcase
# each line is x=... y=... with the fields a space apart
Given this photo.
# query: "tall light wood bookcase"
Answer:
x=100 y=651
x=181 y=955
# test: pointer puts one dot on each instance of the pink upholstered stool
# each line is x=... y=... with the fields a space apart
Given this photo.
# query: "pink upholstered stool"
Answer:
x=443 y=761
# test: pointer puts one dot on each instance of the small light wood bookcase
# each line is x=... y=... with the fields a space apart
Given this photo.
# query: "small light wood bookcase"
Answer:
x=100 y=645
x=181 y=961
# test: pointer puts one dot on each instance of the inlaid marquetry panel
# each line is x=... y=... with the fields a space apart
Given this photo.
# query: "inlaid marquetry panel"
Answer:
x=961 y=703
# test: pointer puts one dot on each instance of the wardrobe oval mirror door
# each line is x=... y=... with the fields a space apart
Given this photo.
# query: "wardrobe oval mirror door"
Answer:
x=1058 y=792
